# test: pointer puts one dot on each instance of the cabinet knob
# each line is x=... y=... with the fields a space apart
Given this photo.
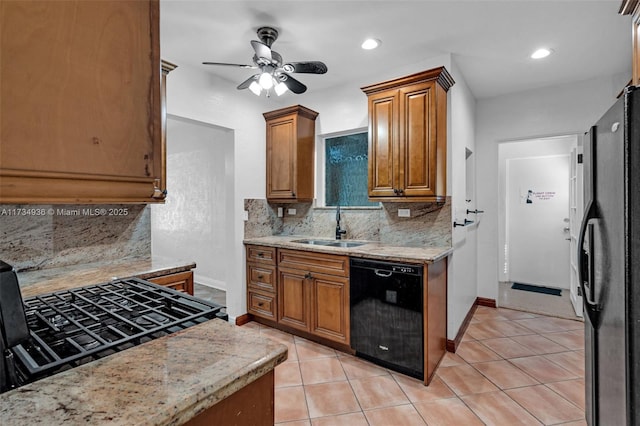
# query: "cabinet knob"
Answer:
x=260 y=277
x=260 y=254
x=308 y=276
x=261 y=304
x=400 y=191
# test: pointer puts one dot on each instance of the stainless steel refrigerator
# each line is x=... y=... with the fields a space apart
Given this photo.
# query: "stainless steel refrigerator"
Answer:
x=609 y=254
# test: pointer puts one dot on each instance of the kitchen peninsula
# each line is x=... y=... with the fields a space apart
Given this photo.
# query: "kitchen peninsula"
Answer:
x=213 y=370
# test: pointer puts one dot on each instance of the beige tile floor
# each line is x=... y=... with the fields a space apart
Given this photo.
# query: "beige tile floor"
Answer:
x=512 y=368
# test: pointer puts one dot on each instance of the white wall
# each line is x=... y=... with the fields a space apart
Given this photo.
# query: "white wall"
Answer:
x=192 y=223
x=196 y=95
x=462 y=287
x=559 y=110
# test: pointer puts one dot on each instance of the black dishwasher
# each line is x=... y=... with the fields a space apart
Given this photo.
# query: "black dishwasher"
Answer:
x=386 y=314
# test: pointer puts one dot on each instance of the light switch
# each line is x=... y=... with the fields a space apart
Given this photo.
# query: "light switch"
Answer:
x=245 y=215
x=280 y=212
x=404 y=213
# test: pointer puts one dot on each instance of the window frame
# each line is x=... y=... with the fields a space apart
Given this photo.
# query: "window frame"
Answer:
x=321 y=172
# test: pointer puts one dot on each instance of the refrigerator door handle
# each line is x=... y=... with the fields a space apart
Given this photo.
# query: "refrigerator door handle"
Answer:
x=585 y=264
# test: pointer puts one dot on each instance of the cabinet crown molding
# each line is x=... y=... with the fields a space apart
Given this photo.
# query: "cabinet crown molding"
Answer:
x=440 y=75
x=295 y=109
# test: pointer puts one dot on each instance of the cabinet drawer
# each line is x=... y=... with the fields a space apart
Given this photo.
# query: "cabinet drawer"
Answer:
x=261 y=254
x=181 y=281
x=314 y=262
x=262 y=304
x=262 y=277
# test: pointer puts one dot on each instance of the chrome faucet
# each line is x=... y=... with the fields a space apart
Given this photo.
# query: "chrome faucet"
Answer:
x=339 y=232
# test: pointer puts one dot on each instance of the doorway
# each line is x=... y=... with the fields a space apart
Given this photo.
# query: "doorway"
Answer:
x=535 y=226
x=192 y=225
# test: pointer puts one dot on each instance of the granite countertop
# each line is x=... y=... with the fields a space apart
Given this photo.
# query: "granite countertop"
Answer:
x=163 y=382
x=66 y=277
x=370 y=249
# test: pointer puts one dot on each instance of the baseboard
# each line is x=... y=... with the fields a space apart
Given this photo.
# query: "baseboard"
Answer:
x=243 y=319
x=452 y=345
x=483 y=301
x=209 y=282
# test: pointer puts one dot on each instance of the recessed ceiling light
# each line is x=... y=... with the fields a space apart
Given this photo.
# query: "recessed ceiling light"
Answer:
x=370 y=43
x=541 y=53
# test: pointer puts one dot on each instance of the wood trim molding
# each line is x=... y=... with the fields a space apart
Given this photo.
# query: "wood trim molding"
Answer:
x=628 y=7
x=452 y=345
x=243 y=319
x=483 y=301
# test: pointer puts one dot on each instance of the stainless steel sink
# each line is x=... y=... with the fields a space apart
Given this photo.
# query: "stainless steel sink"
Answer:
x=314 y=242
x=344 y=244
x=329 y=243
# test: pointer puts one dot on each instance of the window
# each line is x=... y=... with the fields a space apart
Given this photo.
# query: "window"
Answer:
x=345 y=170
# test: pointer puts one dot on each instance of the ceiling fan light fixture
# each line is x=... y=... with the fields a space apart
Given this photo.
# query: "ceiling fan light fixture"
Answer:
x=280 y=88
x=370 y=43
x=266 y=80
x=541 y=53
x=255 y=88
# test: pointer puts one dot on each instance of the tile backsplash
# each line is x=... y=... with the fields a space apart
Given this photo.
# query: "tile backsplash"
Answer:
x=60 y=235
x=429 y=224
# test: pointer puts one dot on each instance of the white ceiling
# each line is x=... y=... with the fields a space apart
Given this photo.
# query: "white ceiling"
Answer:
x=490 y=41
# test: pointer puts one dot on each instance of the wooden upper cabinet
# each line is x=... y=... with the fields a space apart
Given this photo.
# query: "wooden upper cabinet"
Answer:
x=408 y=137
x=290 y=153
x=80 y=102
x=632 y=7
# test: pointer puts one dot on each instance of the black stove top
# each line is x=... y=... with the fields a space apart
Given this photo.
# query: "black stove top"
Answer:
x=72 y=327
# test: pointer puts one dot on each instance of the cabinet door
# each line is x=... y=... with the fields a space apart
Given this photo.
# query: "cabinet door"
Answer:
x=417 y=140
x=181 y=281
x=80 y=102
x=293 y=299
x=281 y=158
x=330 y=307
x=383 y=132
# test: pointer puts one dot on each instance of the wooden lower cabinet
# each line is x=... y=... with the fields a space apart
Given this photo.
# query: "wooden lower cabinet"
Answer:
x=253 y=405
x=181 y=281
x=294 y=299
x=330 y=303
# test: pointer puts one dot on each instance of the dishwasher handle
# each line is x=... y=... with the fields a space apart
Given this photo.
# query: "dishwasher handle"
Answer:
x=382 y=273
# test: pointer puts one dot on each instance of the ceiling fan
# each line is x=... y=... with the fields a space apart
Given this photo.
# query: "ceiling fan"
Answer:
x=274 y=73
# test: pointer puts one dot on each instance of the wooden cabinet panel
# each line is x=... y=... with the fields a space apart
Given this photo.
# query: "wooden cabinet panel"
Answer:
x=290 y=154
x=262 y=303
x=632 y=7
x=382 y=132
x=261 y=276
x=262 y=279
x=330 y=301
x=293 y=299
x=435 y=316
x=314 y=262
x=407 y=137
x=261 y=254
x=181 y=281
x=86 y=127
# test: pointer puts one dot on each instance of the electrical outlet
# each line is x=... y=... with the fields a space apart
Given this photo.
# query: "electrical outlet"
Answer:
x=245 y=215
x=280 y=212
x=404 y=213
x=291 y=212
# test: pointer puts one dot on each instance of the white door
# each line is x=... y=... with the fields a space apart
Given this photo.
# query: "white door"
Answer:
x=538 y=220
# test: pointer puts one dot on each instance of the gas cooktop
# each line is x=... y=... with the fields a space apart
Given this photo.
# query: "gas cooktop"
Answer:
x=73 y=327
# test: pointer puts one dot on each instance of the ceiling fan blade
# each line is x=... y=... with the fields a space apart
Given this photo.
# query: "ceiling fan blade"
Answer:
x=310 y=67
x=230 y=65
x=294 y=85
x=248 y=82
x=261 y=49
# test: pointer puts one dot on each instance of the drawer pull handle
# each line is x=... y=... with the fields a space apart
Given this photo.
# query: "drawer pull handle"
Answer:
x=261 y=304
x=260 y=254
x=260 y=277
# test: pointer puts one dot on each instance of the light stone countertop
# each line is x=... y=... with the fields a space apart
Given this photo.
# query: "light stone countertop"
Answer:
x=80 y=275
x=370 y=249
x=163 y=382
